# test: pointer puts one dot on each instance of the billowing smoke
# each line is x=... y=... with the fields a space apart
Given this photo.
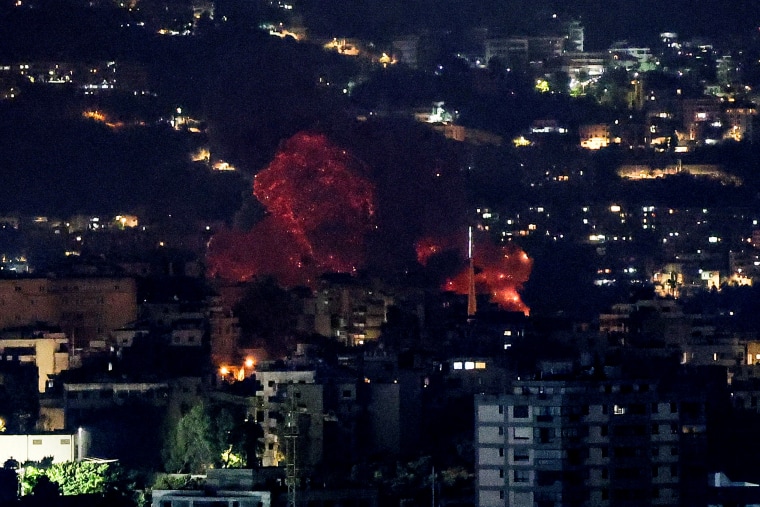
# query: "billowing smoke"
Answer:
x=320 y=208
x=324 y=209
x=500 y=271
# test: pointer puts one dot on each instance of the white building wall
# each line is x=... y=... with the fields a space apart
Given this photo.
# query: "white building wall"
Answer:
x=521 y=499
x=489 y=413
x=490 y=498
x=490 y=456
x=490 y=477
x=61 y=447
x=489 y=435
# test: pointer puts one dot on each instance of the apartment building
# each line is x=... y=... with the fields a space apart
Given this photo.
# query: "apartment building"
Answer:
x=552 y=443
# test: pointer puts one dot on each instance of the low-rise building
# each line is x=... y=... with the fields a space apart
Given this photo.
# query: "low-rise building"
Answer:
x=192 y=498
x=60 y=446
x=49 y=352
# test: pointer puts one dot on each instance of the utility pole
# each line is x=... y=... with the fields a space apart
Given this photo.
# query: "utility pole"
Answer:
x=432 y=487
x=291 y=448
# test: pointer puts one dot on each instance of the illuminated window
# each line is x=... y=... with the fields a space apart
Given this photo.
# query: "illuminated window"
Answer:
x=618 y=410
x=458 y=365
x=521 y=433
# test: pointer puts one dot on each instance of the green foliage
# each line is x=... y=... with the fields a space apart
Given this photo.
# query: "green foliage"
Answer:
x=80 y=477
x=190 y=446
x=29 y=477
x=455 y=476
x=232 y=460
x=72 y=477
x=211 y=436
x=177 y=481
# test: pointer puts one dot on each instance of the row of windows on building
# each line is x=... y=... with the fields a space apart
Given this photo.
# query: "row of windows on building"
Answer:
x=63 y=441
x=623 y=430
x=107 y=394
x=523 y=411
x=604 y=452
x=621 y=494
x=549 y=477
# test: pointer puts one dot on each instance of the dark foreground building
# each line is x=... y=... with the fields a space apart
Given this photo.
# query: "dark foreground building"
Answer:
x=593 y=442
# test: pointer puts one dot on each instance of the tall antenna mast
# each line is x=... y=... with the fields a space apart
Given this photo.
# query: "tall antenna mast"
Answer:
x=469 y=242
x=472 y=300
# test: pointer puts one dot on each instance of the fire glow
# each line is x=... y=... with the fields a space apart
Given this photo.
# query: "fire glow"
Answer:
x=320 y=207
x=500 y=271
x=322 y=213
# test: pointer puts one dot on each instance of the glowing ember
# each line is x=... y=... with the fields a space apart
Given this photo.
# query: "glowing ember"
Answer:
x=320 y=209
x=428 y=247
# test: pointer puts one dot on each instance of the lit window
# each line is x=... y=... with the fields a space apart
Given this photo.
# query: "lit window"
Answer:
x=522 y=433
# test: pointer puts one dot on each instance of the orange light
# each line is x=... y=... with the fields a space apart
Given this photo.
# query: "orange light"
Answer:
x=249 y=363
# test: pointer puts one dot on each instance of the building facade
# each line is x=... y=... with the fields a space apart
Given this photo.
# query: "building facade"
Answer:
x=60 y=446
x=86 y=308
x=49 y=352
x=590 y=442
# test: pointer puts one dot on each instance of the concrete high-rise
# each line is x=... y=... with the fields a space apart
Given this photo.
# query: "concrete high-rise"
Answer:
x=591 y=443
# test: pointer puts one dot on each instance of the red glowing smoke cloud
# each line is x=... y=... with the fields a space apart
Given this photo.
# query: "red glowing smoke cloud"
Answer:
x=321 y=211
x=429 y=247
x=320 y=208
x=500 y=271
